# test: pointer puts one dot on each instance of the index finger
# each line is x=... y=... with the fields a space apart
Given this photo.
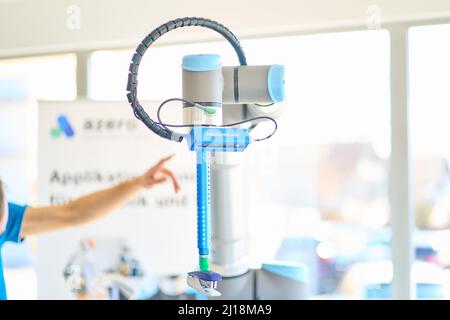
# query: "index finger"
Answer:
x=163 y=160
x=176 y=185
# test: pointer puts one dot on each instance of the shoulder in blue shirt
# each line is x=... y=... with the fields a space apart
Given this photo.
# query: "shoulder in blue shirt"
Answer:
x=11 y=233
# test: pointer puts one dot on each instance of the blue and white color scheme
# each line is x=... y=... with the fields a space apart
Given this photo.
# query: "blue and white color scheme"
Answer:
x=218 y=139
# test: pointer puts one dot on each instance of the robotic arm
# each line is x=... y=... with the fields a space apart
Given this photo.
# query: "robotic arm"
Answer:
x=208 y=90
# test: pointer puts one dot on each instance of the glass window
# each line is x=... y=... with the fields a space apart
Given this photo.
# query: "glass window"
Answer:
x=430 y=113
x=42 y=78
x=319 y=188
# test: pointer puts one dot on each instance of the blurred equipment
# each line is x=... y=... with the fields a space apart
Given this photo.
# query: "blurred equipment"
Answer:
x=122 y=281
x=221 y=106
x=81 y=274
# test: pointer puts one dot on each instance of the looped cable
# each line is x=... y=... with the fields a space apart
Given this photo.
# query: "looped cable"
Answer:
x=132 y=83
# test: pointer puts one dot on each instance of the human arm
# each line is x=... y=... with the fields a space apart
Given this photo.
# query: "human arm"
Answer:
x=95 y=205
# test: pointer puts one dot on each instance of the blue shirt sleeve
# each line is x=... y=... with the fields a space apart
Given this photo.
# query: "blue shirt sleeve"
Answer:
x=14 y=225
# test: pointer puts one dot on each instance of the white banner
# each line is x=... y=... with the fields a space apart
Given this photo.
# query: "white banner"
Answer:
x=87 y=145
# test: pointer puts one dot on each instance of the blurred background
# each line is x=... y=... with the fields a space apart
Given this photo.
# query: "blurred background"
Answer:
x=356 y=182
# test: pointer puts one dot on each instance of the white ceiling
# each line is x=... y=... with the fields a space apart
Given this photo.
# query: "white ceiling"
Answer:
x=40 y=26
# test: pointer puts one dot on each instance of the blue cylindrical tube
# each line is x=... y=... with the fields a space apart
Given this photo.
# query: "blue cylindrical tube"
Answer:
x=203 y=203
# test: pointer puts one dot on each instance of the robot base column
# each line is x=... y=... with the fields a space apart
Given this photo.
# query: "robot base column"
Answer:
x=274 y=281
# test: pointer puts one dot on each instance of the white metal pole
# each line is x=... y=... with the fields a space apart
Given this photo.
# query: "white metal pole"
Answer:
x=400 y=198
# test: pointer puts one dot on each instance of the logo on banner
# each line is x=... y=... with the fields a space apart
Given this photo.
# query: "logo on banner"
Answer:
x=63 y=127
